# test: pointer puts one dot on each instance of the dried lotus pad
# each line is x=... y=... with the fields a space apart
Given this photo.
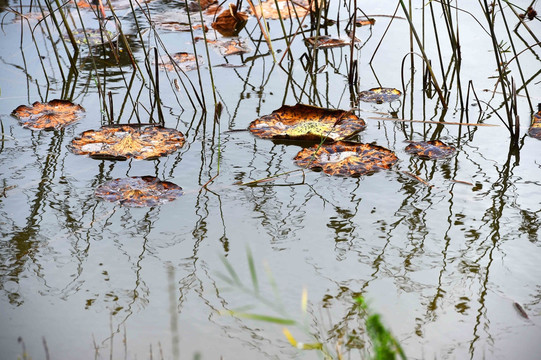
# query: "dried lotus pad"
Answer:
x=127 y=141
x=535 y=128
x=380 y=95
x=326 y=42
x=230 y=47
x=433 y=149
x=230 y=22
x=346 y=159
x=185 y=61
x=286 y=8
x=138 y=191
x=306 y=122
x=55 y=114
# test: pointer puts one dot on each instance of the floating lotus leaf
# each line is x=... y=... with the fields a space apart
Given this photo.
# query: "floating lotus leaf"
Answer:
x=230 y=47
x=138 y=191
x=433 y=149
x=306 y=122
x=287 y=8
x=230 y=22
x=185 y=61
x=380 y=95
x=535 y=128
x=346 y=159
x=325 y=41
x=95 y=36
x=53 y=115
x=126 y=141
x=365 y=21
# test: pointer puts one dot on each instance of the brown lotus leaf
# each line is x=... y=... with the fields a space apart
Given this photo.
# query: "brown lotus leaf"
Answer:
x=433 y=149
x=346 y=159
x=121 y=142
x=138 y=191
x=179 y=26
x=230 y=47
x=380 y=95
x=306 y=122
x=185 y=61
x=286 y=8
x=55 y=114
x=325 y=42
x=365 y=21
x=535 y=128
x=230 y=22
x=195 y=6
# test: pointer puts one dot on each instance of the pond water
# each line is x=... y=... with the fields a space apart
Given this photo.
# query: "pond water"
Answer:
x=445 y=263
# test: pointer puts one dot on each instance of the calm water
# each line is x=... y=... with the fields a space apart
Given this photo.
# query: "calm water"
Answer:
x=443 y=265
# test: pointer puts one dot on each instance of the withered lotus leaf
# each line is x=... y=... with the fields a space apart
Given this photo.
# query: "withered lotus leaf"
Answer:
x=535 y=128
x=138 y=191
x=326 y=42
x=306 y=122
x=365 y=21
x=183 y=60
x=433 y=149
x=121 y=142
x=230 y=47
x=380 y=95
x=286 y=8
x=346 y=159
x=230 y=22
x=52 y=115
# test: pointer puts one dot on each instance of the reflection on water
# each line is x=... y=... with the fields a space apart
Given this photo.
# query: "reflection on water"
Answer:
x=442 y=249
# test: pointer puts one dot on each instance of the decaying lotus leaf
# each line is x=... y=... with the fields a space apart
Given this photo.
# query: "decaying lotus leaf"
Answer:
x=121 y=142
x=185 y=61
x=325 y=42
x=230 y=47
x=380 y=95
x=346 y=159
x=535 y=128
x=55 y=114
x=94 y=37
x=306 y=122
x=286 y=8
x=365 y=21
x=139 y=191
x=230 y=22
x=433 y=149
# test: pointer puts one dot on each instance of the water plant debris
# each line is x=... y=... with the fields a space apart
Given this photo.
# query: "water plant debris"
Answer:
x=52 y=115
x=433 y=149
x=286 y=9
x=306 y=122
x=346 y=158
x=380 y=95
x=138 y=191
x=230 y=22
x=535 y=128
x=121 y=142
x=185 y=61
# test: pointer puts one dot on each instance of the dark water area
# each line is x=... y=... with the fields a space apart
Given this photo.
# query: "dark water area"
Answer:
x=448 y=257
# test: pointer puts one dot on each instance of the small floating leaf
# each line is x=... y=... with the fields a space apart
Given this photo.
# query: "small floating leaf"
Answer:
x=346 y=159
x=380 y=95
x=433 y=149
x=535 y=128
x=306 y=122
x=325 y=42
x=138 y=191
x=53 y=115
x=230 y=47
x=127 y=141
x=286 y=8
x=365 y=21
x=230 y=22
x=184 y=60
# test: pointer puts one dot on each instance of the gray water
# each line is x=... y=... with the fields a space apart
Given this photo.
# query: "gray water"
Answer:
x=444 y=265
